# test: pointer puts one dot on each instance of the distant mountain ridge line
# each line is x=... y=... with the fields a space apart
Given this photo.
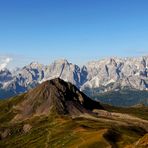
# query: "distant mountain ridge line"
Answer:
x=106 y=74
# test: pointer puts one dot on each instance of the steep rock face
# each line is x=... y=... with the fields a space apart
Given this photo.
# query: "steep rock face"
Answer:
x=55 y=96
x=119 y=72
x=31 y=75
x=25 y=78
x=64 y=70
x=5 y=76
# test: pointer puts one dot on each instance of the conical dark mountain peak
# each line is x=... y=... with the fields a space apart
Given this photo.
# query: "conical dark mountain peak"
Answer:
x=55 y=96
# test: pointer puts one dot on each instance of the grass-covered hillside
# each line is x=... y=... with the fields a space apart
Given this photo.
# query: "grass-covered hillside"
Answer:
x=26 y=121
x=63 y=131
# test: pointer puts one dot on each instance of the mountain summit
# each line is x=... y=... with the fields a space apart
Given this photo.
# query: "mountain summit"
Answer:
x=55 y=96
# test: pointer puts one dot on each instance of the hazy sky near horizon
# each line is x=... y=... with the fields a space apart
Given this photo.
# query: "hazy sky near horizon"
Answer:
x=78 y=30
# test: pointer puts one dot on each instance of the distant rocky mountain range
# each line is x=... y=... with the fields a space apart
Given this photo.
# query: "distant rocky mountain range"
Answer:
x=109 y=74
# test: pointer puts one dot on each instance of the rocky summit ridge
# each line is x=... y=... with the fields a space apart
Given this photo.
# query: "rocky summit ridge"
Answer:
x=55 y=97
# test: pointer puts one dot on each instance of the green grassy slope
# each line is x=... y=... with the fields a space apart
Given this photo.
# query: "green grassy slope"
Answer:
x=141 y=112
x=56 y=131
x=66 y=132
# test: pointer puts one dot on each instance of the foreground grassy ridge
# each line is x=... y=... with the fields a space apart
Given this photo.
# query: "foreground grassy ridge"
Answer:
x=57 y=132
x=7 y=111
x=141 y=112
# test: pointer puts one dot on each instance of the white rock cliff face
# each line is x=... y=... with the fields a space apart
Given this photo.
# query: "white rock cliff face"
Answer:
x=109 y=74
x=127 y=72
x=64 y=70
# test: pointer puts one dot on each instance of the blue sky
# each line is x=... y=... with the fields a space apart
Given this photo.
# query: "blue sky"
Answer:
x=78 y=30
